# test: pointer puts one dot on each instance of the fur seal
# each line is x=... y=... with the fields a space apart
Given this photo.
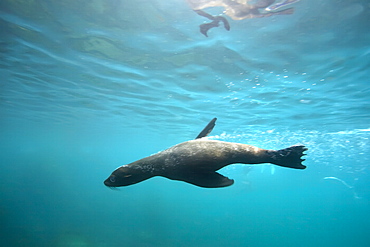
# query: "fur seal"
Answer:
x=196 y=162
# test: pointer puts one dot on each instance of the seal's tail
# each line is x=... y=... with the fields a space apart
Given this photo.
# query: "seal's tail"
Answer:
x=289 y=157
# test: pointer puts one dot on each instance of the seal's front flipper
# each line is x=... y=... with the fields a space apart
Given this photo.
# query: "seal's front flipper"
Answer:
x=207 y=179
x=288 y=157
x=207 y=129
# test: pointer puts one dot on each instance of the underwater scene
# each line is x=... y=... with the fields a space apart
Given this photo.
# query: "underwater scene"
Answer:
x=88 y=86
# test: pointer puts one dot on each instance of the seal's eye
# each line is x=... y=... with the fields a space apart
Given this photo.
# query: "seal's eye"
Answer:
x=112 y=179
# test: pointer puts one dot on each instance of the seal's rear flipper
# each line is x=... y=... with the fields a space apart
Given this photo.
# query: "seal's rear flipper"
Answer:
x=207 y=129
x=288 y=157
x=207 y=179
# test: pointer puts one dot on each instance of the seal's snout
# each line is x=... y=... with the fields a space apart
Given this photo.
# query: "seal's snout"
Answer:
x=109 y=184
x=111 y=181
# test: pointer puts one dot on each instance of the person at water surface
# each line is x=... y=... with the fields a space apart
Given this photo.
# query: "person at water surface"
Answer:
x=239 y=10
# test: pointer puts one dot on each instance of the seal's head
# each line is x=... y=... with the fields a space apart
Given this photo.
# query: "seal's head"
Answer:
x=124 y=176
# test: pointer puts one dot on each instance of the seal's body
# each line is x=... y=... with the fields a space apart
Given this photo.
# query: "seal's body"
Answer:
x=197 y=161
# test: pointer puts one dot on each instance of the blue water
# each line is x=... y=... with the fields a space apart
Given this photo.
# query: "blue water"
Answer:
x=87 y=86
